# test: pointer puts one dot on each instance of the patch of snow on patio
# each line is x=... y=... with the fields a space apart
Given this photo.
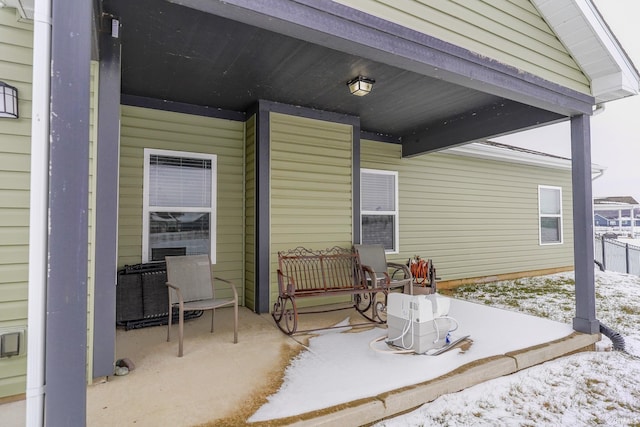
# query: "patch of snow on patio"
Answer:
x=340 y=367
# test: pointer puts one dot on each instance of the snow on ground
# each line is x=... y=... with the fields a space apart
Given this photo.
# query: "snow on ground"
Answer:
x=346 y=359
x=600 y=388
x=596 y=388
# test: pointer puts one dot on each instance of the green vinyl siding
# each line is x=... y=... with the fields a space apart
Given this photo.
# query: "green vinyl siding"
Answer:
x=91 y=214
x=509 y=31
x=311 y=181
x=16 y=52
x=473 y=217
x=147 y=128
x=250 y=214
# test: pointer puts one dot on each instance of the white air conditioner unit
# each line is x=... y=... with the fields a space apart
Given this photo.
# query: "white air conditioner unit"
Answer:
x=418 y=322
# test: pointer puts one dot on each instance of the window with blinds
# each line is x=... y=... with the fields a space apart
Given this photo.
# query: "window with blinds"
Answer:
x=379 y=208
x=550 y=214
x=179 y=204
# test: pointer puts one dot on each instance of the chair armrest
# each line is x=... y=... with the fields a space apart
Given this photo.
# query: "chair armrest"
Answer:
x=403 y=267
x=374 y=279
x=177 y=291
x=233 y=287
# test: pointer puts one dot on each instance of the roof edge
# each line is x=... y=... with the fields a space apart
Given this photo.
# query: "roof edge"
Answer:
x=490 y=150
x=623 y=79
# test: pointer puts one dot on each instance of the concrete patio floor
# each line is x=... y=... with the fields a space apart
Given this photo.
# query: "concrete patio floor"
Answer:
x=221 y=383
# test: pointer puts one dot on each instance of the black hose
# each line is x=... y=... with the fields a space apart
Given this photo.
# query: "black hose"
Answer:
x=616 y=338
x=599 y=264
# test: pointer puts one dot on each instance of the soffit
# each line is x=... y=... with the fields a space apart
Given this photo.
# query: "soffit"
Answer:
x=25 y=7
x=230 y=54
x=585 y=34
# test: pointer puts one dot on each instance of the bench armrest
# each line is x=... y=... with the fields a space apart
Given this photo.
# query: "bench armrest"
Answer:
x=286 y=285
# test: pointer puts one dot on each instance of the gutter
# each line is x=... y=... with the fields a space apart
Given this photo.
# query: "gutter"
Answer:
x=39 y=214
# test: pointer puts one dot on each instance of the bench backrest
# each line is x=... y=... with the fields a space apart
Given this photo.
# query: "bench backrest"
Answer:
x=321 y=271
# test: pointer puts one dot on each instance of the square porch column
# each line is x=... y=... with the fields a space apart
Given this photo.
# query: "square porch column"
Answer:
x=585 y=319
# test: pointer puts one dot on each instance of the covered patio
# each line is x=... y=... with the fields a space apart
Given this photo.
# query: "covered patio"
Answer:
x=222 y=383
x=242 y=61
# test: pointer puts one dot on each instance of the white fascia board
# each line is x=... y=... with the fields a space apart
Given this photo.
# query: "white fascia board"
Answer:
x=613 y=86
x=594 y=47
x=488 y=152
x=626 y=81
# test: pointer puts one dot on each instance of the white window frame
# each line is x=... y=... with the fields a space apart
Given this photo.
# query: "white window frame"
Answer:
x=212 y=210
x=395 y=212
x=541 y=215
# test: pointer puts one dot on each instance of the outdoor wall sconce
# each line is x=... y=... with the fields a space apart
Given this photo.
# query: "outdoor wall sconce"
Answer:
x=360 y=86
x=8 y=101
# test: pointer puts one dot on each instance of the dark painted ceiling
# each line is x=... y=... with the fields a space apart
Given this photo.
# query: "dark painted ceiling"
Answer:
x=175 y=53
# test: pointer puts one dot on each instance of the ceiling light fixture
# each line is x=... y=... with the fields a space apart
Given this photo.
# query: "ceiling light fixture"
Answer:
x=360 y=86
x=8 y=101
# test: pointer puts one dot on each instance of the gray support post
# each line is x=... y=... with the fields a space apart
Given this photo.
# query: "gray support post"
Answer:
x=355 y=191
x=106 y=227
x=263 y=215
x=604 y=255
x=66 y=321
x=583 y=249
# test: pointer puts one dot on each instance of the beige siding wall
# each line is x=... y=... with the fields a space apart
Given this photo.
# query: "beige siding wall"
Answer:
x=509 y=31
x=146 y=128
x=93 y=138
x=310 y=186
x=16 y=52
x=474 y=218
x=250 y=214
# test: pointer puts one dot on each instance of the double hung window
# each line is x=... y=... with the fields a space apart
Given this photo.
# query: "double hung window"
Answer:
x=379 y=208
x=179 y=204
x=550 y=214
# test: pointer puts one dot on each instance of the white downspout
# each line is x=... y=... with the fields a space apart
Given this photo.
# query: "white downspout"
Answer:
x=39 y=213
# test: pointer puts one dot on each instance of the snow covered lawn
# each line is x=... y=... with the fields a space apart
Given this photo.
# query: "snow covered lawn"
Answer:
x=600 y=388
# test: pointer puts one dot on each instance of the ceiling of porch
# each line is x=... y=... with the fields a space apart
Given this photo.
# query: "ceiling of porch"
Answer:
x=175 y=53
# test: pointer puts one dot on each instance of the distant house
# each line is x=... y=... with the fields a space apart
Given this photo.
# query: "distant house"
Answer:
x=600 y=221
x=235 y=119
x=616 y=212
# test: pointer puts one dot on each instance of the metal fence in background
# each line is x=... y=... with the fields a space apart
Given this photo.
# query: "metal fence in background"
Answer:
x=613 y=255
